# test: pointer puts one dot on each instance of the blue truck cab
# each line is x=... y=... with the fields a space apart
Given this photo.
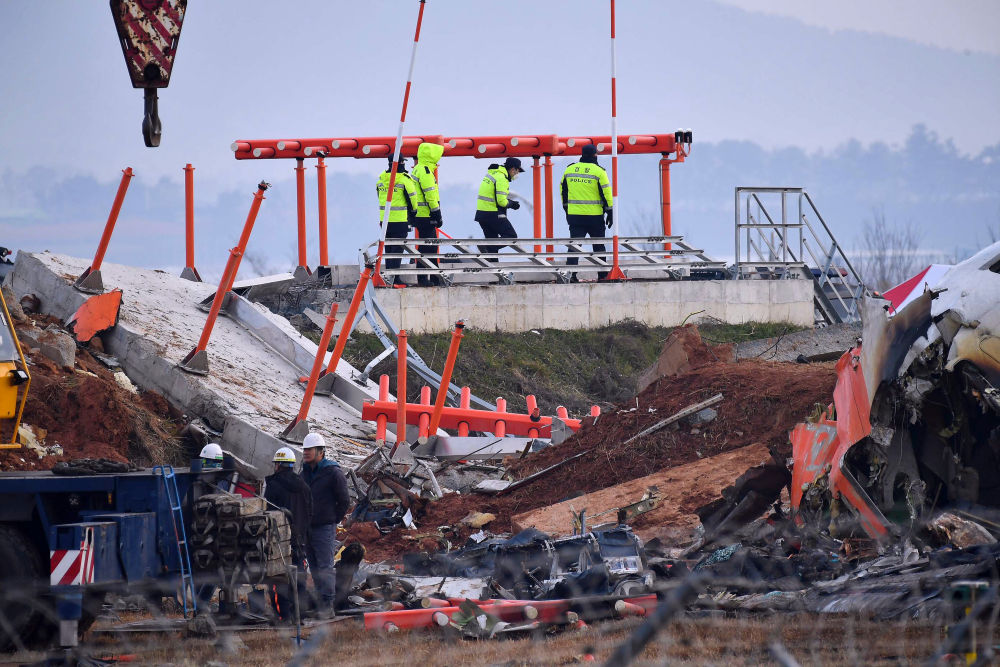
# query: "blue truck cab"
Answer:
x=68 y=540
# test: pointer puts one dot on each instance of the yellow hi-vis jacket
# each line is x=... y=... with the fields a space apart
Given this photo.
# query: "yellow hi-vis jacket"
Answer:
x=428 y=198
x=402 y=199
x=585 y=189
x=493 y=190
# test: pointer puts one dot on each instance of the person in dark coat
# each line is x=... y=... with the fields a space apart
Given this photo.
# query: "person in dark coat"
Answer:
x=331 y=501
x=289 y=492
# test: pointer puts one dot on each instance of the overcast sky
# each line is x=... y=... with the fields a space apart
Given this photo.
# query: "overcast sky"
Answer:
x=782 y=73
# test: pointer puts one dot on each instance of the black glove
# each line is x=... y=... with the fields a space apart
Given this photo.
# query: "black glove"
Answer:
x=436 y=218
x=608 y=222
x=514 y=204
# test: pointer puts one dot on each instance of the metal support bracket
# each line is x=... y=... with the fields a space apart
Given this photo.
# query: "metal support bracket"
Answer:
x=90 y=282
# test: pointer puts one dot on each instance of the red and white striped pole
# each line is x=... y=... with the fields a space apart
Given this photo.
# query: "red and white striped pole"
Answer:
x=616 y=272
x=377 y=278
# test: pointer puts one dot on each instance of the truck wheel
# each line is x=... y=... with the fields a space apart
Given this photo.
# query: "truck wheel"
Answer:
x=21 y=576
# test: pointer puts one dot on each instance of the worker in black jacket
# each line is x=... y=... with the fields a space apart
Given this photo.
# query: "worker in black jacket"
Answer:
x=288 y=491
x=331 y=501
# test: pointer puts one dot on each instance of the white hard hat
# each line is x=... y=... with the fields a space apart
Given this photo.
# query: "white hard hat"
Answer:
x=284 y=455
x=313 y=440
x=211 y=451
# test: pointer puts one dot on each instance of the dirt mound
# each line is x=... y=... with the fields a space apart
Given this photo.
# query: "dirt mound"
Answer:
x=761 y=403
x=87 y=413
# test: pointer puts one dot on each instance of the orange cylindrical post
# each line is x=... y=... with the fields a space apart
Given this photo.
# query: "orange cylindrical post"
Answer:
x=213 y=313
x=352 y=312
x=381 y=422
x=449 y=366
x=109 y=226
x=549 y=210
x=464 y=401
x=595 y=411
x=300 y=209
x=324 y=343
x=189 y=217
x=425 y=419
x=536 y=187
x=324 y=256
x=665 y=198
x=258 y=198
x=533 y=413
x=500 y=430
x=226 y=282
x=400 y=389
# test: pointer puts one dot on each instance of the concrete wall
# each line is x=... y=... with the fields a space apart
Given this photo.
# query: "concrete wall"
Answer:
x=590 y=305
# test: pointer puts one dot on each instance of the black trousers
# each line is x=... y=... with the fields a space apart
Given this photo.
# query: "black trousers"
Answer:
x=495 y=226
x=395 y=230
x=425 y=230
x=580 y=226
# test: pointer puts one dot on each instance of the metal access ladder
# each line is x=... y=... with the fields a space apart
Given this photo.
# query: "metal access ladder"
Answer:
x=180 y=533
x=781 y=235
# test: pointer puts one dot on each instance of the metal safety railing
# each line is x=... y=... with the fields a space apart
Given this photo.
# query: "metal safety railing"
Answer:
x=780 y=234
x=506 y=259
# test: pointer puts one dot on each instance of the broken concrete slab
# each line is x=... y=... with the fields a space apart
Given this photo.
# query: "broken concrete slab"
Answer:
x=55 y=344
x=13 y=305
x=811 y=343
x=683 y=489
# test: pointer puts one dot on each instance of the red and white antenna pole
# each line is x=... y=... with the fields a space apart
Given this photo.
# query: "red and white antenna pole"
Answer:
x=377 y=278
x=616 y=272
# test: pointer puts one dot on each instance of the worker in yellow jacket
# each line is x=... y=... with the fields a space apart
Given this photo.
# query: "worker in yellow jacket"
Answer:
x=494 y=200
x=428 y=203
x=402 y=208
x=586 y=199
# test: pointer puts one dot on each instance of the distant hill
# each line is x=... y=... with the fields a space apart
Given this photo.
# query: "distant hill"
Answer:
x=952 y=200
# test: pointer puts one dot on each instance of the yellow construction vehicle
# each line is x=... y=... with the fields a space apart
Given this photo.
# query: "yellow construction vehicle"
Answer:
x=12 y=377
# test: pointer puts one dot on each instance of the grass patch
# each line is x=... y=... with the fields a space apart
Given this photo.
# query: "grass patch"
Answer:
x=576 y=368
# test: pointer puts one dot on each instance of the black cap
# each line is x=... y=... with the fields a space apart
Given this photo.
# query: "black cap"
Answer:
x=402 y=161
x=513 y=163
x=588 y=150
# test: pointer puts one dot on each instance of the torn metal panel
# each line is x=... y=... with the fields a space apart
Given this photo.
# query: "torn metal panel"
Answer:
x=917 y=408
x=476 y=448
x=98 y=313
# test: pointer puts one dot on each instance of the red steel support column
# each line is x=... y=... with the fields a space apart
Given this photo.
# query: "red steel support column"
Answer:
x=352 y=312
x=500 y=430
x=616 y=272
x=189 y=271
x=464 y=402
x=196 y=360
x=536 y=186
x=382 y=421
x=377 y=280
x=400 y=389
x=549 y=211
x=324 y=342
x=425 y=419
x=533 y=413
x=247 y=228
x=449 y=366
x=300 y=207
x=324 y=256
x=665 y=198
x=109 y=227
